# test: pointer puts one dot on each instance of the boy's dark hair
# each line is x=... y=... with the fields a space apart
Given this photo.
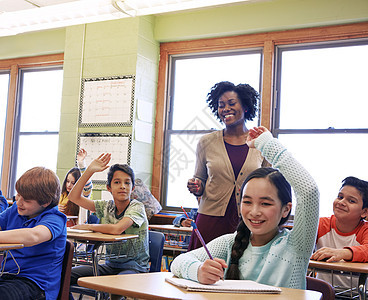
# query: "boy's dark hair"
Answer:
x=360 y=185
x=248 y=96
x=71 y=208
x=243 y=233
x=39 y=184
x=119 y=167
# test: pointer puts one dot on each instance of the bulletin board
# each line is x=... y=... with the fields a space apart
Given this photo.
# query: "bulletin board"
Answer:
x=119 y=145
x=107 y=101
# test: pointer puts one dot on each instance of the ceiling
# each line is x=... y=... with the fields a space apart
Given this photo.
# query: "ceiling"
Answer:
x=20 y=16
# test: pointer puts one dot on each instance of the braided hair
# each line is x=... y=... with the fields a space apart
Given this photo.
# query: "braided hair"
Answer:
x=242 y=237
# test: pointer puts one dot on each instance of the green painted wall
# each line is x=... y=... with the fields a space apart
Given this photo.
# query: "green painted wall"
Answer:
x=145 y=90
x=104 y=49
x=258 y=17
x=32 y=44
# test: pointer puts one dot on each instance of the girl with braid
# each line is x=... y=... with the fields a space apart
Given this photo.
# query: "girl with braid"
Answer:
x=261 y=249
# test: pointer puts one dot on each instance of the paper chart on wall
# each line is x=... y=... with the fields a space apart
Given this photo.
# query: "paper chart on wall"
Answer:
x=119 y=145
x=107 y=101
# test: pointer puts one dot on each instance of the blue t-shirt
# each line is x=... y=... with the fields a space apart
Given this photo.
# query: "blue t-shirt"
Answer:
x=192 y=215
x=3 y=202
x=41 y=263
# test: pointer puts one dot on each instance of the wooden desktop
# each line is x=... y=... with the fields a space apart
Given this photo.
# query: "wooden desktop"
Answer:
x=153 y=286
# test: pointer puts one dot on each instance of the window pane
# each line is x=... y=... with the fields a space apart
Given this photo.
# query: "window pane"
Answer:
x=41 y=100
x=4 y=83
x=194 y=78
x=37 y=150
x=329 y=158
x=324 y=88
x=181 y=168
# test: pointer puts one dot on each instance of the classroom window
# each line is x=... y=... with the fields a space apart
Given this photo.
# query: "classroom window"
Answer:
x=37 y=126
x=30 y=99
x=188 y=117
x=320 y=111
x=4 y=83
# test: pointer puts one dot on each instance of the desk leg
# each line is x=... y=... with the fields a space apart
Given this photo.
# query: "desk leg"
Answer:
x=96 y=246
x=362 y=287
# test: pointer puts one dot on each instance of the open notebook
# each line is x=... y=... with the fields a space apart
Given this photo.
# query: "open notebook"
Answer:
x=78 y=230
x=226 y=286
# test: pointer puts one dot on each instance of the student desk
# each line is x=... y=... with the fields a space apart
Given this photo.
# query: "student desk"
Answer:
x=98 y=239
x=72 y=218
x=170 y=227
x=176 y=238
x=154 y=286
x=348 y=267
x=5 y=247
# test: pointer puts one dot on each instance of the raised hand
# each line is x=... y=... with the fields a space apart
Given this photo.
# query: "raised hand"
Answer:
x=100 y=163
x=253 y=134
x=81 y=155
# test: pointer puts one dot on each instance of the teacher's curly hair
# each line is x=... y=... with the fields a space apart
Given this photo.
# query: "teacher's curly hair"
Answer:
x=248 y=96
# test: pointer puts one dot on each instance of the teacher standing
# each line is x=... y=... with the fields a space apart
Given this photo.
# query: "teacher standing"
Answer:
x=223 y=161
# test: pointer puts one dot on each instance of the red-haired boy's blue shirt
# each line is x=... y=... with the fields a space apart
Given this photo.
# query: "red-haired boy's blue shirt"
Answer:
x=41 y=263
x=3 y=202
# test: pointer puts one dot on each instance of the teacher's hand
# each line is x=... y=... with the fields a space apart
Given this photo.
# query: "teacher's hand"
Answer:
x=194 y=186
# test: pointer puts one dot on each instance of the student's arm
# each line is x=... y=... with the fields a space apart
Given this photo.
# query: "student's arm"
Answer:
x=195 y=265
x=331 y=254
x=360 y=252
x=97 y=165
x=177 y=221
x=82 y=167
x=3 y=202
x=117 y=228
x=26 y=236
x=303 y=235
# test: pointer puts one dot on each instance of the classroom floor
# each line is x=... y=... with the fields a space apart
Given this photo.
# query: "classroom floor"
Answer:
x=85 y=297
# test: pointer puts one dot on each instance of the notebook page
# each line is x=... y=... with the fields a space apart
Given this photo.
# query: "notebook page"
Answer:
x=78 y=230
x=225 y=286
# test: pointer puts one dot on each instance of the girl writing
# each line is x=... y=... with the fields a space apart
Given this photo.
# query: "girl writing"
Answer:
x=260 y=250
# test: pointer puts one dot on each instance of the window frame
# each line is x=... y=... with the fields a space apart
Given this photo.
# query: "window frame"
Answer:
x=14 y=66
x=268 y=41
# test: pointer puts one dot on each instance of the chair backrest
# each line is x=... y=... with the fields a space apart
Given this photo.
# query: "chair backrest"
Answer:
x=66 y=271
x=327 y=290
x=156 y=248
